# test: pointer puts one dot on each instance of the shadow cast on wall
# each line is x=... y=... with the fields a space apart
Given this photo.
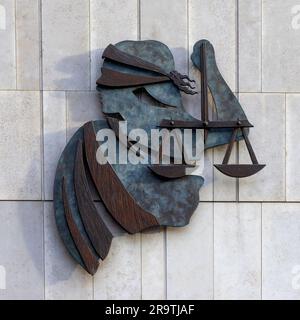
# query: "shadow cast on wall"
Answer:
x=75 y=75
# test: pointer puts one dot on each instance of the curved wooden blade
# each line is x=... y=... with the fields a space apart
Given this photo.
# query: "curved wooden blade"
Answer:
x=170 y=171
x=65 y=174
x=97 y=231
x=239 y=170
x=117 y=200
x=89 y=258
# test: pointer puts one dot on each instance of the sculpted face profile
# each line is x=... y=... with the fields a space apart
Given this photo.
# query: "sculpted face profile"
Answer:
x=139 y=84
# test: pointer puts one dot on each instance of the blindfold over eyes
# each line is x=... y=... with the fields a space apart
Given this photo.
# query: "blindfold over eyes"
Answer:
x=117 y=79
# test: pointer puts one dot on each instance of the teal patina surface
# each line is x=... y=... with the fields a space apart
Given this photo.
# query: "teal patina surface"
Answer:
x=172 y=202
x=226 y=104
x=65 y=169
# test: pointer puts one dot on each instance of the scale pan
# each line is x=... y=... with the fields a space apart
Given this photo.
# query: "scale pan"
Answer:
x=239 y=170
x=171 y=171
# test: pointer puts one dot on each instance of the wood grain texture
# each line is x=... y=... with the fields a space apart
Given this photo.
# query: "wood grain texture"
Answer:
x=90 y=259
x=97 y=231
x=126 y=211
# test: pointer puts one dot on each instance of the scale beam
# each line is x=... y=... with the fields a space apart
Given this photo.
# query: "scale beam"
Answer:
x=199 y=124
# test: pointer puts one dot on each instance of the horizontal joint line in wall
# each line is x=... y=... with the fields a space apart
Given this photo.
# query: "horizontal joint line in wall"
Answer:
x=85 y=90
x=224 y=201
x=39 y=90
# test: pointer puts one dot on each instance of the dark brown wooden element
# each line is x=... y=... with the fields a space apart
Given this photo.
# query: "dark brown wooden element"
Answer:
x=97 y=231
x=204 y=90
x=249 y=147
x=114 y=125
x=170 y=171
x=232 y=170
x=113 y=53
x=117 y=200
x=199 y=124
x=89 y=258
x=111 y=78
x=230 y=147
x=116 y=79
x=239 y=170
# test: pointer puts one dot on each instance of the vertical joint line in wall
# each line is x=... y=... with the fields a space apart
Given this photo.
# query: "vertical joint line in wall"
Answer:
x=237 y=49
x=213 y=255
x=166 y=262
x=237 y=86
x=141 y=260
x=67 y=114
x=44 y=253
x=285 y=131
x=261 y=46
x=16 y=47
x=139 y=25
x=212 y=171
x=41 y=90
x=188 y=35
x=93 y=288
x=261 y=250
x=42 y=142
x=41 y=98
x=237 y=182
x=89 y=46
x=41 y=80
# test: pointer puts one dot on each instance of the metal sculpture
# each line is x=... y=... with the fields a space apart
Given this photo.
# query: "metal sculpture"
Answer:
x=138 y=197
x=229 y=114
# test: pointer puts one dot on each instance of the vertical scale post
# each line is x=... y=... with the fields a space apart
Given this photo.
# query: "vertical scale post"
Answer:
x=204 y=92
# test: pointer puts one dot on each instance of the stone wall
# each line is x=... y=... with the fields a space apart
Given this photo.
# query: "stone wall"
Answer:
x=244 y=240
